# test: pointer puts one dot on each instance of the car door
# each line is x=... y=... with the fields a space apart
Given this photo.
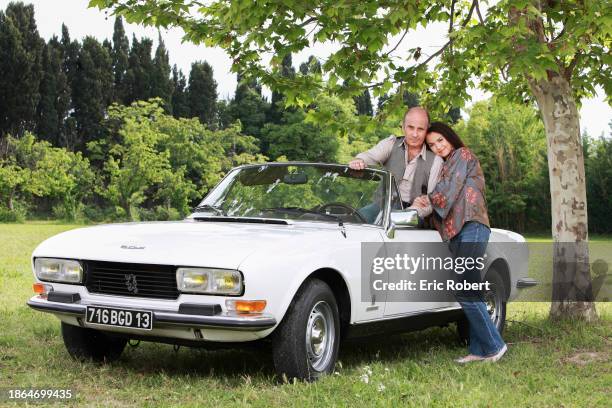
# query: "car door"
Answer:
x=365 y=304
x=399 y=303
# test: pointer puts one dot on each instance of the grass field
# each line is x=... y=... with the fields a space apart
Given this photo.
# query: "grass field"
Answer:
x=566 y=364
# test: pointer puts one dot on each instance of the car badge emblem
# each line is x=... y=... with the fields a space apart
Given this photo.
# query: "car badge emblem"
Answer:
x=130 y=282
x=132 y=247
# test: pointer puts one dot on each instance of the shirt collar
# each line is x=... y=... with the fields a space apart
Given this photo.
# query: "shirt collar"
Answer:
x=423 y=152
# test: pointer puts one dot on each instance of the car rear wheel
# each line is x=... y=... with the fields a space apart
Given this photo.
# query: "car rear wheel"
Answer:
x=495 y=299
x=305 y=345
x=90 y=344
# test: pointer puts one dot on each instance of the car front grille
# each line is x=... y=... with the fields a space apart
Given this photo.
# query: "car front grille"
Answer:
x=129 y=279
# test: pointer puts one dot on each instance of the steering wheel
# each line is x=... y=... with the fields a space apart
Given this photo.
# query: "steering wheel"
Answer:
x=350 y=210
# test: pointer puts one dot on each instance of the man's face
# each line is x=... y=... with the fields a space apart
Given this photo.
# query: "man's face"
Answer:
x=415 y=128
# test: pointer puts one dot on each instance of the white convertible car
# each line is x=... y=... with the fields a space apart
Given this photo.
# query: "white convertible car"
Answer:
x=274 y=252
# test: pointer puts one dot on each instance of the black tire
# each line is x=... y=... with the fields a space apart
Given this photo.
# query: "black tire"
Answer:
x=89 y=344
x=305 y=344
x=495 y=298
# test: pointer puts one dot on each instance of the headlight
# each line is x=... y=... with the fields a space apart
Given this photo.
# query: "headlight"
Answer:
x=58 y=270
x=210 y=281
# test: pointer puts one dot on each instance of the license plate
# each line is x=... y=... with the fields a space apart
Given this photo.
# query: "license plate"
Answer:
x=138 y=319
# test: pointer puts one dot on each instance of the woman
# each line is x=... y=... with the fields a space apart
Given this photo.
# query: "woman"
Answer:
x=460 y=216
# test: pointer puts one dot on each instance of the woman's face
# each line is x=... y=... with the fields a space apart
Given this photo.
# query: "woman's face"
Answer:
x=438 y=144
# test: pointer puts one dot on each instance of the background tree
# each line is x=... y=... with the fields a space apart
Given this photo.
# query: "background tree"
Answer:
x=92 y=91
x=510 y=142
x=21 y=51
x=180 y=102
x=161 y=82
x=120 y=55
x=599 y=181
x=202 y=92
x=70 y=53
x=363 y=103
x=312 y=66
x=140 y=72
x=35 y=168
x=249 y=107
x=277 y=102
x=553 y=52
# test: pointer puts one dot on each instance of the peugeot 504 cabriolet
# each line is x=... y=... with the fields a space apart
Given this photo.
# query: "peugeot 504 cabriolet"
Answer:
x=275 y=252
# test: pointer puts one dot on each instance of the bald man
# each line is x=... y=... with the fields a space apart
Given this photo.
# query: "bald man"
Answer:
x=414 y=167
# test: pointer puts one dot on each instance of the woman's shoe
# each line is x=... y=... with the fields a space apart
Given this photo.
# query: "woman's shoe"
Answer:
x=468 y=359
x=497 y=355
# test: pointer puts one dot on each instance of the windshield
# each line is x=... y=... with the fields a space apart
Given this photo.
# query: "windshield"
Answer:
x=314 y=192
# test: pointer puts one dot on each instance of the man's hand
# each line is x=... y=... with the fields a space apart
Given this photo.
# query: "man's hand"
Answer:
x=357 y=164
x=421 y=202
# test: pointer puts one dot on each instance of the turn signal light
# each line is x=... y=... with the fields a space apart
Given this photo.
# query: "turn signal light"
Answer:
x=246 y=306
x=42 y=289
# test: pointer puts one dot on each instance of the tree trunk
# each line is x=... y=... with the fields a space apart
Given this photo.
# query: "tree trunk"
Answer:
x=572 y=295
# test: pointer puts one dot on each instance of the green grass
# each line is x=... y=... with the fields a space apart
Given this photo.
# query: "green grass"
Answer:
x=547 y=364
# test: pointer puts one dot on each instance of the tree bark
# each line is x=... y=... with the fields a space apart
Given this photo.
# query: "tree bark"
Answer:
x=572 y=295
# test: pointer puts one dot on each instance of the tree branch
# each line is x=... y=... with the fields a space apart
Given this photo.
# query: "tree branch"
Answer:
x=398 y=43
x=569 y=70
x=307 y=21
x=450 y=41
x=467 y=19
x=452 y=17
x=478 y=12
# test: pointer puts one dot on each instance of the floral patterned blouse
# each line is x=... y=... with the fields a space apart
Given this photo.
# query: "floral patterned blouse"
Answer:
x=459 y=195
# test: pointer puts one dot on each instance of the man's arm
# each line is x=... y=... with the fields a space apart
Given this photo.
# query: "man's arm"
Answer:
x=434 y=173
x=376 y=155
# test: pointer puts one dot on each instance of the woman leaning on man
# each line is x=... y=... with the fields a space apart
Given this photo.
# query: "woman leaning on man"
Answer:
x=460 y=216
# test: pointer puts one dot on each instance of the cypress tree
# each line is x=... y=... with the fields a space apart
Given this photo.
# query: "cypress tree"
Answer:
x=54 y=95
x=20 y=69
x=249 y=107
x=70 y=65
x=313 y=66
x=180 y=103
x=121 y=49
x=202 y=93
x=140 y=71
x=161 y=83
x=93 y=91
x=363 y=103
x=277 y=105
x=47 y=119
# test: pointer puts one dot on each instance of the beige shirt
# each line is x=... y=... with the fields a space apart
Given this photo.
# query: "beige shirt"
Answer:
x=382 y=151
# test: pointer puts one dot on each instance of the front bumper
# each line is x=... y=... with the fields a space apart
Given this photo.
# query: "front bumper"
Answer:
x=164 y=318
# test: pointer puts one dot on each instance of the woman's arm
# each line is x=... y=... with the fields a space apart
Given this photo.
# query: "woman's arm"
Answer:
x=452 y=180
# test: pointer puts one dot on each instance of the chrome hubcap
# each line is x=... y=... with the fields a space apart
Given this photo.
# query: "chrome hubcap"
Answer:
x=320 y=333
x=493 y=305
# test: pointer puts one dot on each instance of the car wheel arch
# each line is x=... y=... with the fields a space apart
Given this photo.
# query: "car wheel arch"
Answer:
x=500 y=266
x=337 y=283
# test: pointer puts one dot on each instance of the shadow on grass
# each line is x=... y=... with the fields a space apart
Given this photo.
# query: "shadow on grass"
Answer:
x=232 y=366
x=155 y=364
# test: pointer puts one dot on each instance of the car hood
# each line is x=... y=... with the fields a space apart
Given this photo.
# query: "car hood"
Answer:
x=186 y=243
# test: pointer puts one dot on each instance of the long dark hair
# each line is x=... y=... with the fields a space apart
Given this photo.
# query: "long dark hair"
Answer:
x=447 y=132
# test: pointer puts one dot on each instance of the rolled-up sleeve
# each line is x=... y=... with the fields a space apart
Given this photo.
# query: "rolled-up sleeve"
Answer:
x=434 y=174
x=379 y=153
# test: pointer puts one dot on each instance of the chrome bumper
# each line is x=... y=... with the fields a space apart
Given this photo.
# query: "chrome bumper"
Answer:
x=164 y=318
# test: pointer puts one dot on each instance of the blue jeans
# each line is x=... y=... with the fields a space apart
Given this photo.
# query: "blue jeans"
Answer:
x=471 y=241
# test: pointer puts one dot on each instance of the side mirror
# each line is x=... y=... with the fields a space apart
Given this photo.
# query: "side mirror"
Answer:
x=402 y=219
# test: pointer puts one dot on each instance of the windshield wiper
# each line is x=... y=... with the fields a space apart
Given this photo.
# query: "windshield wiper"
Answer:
x=208 y=207
x=300 y=210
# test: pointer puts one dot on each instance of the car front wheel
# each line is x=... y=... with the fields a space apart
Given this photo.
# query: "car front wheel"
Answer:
x=90 y=344
x=305 y=345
